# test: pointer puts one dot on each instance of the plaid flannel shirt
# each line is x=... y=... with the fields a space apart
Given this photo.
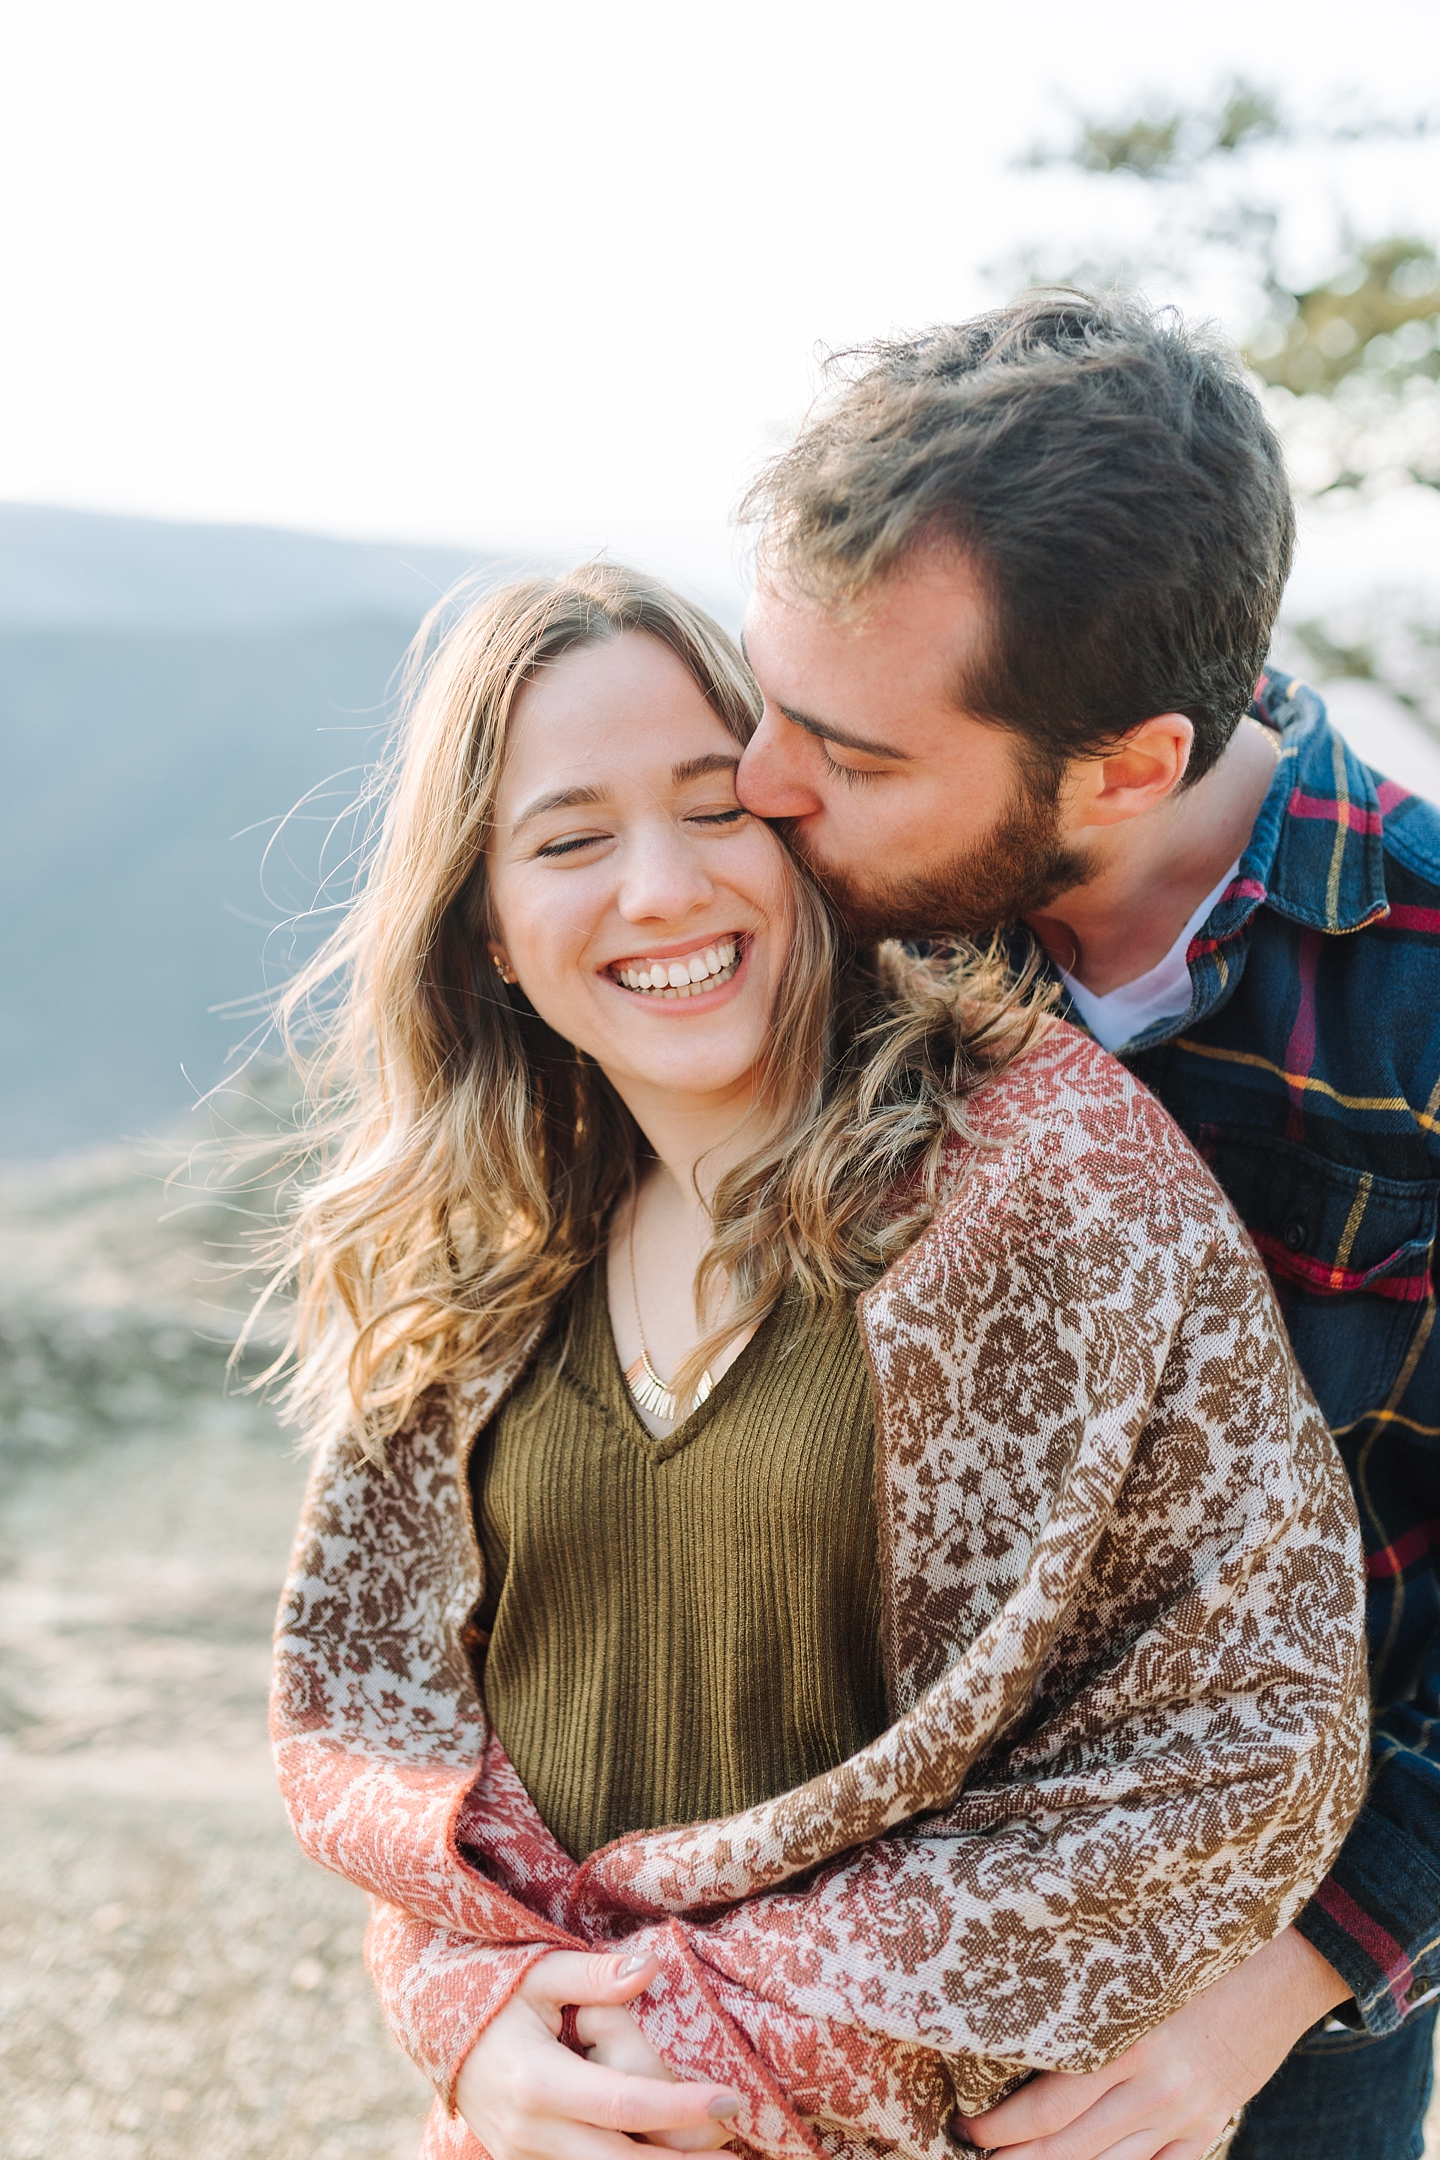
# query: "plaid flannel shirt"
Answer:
x=1307 y=1073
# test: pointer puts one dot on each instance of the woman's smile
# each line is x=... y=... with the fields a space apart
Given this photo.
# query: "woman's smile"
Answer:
x=683 y=974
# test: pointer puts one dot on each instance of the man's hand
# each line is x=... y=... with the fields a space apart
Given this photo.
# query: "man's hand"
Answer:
x=1170 y=2096
x=528 y=2097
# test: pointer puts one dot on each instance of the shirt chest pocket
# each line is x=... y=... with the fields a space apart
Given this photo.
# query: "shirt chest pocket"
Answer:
x=1349 y=1253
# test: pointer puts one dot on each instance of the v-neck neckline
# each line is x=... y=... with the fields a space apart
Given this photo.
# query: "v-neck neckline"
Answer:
x=615 y=1392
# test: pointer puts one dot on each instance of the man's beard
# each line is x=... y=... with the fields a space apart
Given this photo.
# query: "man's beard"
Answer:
x=1016 y=870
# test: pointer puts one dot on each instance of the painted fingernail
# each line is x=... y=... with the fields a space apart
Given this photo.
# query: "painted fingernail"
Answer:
x=722 y=2109
x=632 y=1965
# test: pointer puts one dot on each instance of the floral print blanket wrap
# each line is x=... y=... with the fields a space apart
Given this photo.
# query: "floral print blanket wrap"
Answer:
x=1124 y=1656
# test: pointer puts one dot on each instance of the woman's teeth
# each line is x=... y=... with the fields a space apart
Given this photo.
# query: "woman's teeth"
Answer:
x=690 y=977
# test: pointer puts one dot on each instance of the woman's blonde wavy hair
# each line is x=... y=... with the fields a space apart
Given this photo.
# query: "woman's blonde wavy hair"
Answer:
x=467 y=1159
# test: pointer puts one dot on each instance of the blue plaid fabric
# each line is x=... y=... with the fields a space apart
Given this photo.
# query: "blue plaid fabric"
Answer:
x=1307 y=1073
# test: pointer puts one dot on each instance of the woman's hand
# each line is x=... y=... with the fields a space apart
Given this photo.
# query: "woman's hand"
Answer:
x=613 y=2038
x=528 y=2097
x=1171 y=2095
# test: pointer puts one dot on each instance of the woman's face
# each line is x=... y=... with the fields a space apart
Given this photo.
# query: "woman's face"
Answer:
x=645 y=914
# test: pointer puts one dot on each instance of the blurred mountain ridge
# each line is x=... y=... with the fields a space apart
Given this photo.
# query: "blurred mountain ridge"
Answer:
x=81 y=569
x=169 y=693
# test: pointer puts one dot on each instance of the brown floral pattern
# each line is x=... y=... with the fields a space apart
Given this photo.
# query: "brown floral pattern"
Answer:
x=1123 y=1629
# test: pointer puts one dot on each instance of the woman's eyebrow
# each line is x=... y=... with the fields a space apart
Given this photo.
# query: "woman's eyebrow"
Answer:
x=697 y=768
x=565 y=798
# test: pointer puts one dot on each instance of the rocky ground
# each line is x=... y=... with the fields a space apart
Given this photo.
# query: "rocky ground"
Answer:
x=176 y=1981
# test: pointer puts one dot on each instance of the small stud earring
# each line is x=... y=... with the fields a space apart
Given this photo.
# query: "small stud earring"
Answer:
x=503 y=968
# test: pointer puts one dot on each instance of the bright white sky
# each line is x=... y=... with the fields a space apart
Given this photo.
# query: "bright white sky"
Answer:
x=543 y=277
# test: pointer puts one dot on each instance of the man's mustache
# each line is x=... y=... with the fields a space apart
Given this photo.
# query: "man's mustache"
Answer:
x=1015 y=869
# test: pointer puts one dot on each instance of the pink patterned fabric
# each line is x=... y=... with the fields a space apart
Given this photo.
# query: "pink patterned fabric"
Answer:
x=1123 y=1631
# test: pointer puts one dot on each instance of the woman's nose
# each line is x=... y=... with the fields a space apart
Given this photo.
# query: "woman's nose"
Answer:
x=771 y=780
x=665 y=877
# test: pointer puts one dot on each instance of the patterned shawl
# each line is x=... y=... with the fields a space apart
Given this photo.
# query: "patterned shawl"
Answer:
x=1124 y=1655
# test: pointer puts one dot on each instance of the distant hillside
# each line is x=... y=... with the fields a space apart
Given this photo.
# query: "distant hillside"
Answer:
x=76 y=569
x=166 y=693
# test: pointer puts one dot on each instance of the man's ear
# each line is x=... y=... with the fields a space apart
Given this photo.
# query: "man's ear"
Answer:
x=1142 y=768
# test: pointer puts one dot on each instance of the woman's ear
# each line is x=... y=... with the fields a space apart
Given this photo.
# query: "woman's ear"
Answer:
x=502 y=965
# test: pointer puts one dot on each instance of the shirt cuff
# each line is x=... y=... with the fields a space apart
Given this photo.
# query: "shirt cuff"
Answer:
x=1376 y=1919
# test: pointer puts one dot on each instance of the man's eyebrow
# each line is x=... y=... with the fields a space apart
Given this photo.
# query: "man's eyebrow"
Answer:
x=842 y=736
x=565 y=798
x=699 y=768
x=827 y=733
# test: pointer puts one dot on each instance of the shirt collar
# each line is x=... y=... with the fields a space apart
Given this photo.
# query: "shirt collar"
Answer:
x=1316 y=852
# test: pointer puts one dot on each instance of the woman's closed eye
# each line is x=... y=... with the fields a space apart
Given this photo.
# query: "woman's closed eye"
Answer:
x=552 y=850
x=722 y=818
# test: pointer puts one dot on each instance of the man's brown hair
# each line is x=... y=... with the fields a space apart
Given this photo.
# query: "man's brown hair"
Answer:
x=1109 y=474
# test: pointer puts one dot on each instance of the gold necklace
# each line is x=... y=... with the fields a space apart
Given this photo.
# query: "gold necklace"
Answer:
x=644 y=1383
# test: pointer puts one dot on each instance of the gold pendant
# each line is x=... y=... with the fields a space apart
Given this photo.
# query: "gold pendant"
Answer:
x=651 y=1393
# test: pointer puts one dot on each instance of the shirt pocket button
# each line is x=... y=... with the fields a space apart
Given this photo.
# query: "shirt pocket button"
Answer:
x=1293 y=1234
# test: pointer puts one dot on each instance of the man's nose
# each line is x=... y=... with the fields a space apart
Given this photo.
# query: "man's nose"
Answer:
x=771 y=780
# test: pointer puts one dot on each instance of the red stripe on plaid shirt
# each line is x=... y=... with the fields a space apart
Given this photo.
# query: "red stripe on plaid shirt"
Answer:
x=1396 y=1557
x=1411 y=1289
x=1300 y=1050
x=1352 y=815
x=1373 y=1939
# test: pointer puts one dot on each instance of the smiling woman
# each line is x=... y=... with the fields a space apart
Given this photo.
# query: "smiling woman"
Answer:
x=499 y=1098
x=648 y=920
x=750 y=1375
x=607 y=894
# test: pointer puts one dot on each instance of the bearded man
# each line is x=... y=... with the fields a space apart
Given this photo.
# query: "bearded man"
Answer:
x=1017 y=581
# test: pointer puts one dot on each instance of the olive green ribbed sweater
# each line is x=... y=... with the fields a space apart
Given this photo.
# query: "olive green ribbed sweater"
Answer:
x=680 y=1628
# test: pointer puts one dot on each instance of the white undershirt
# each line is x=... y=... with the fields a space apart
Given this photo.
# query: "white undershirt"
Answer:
x=1164 y=993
